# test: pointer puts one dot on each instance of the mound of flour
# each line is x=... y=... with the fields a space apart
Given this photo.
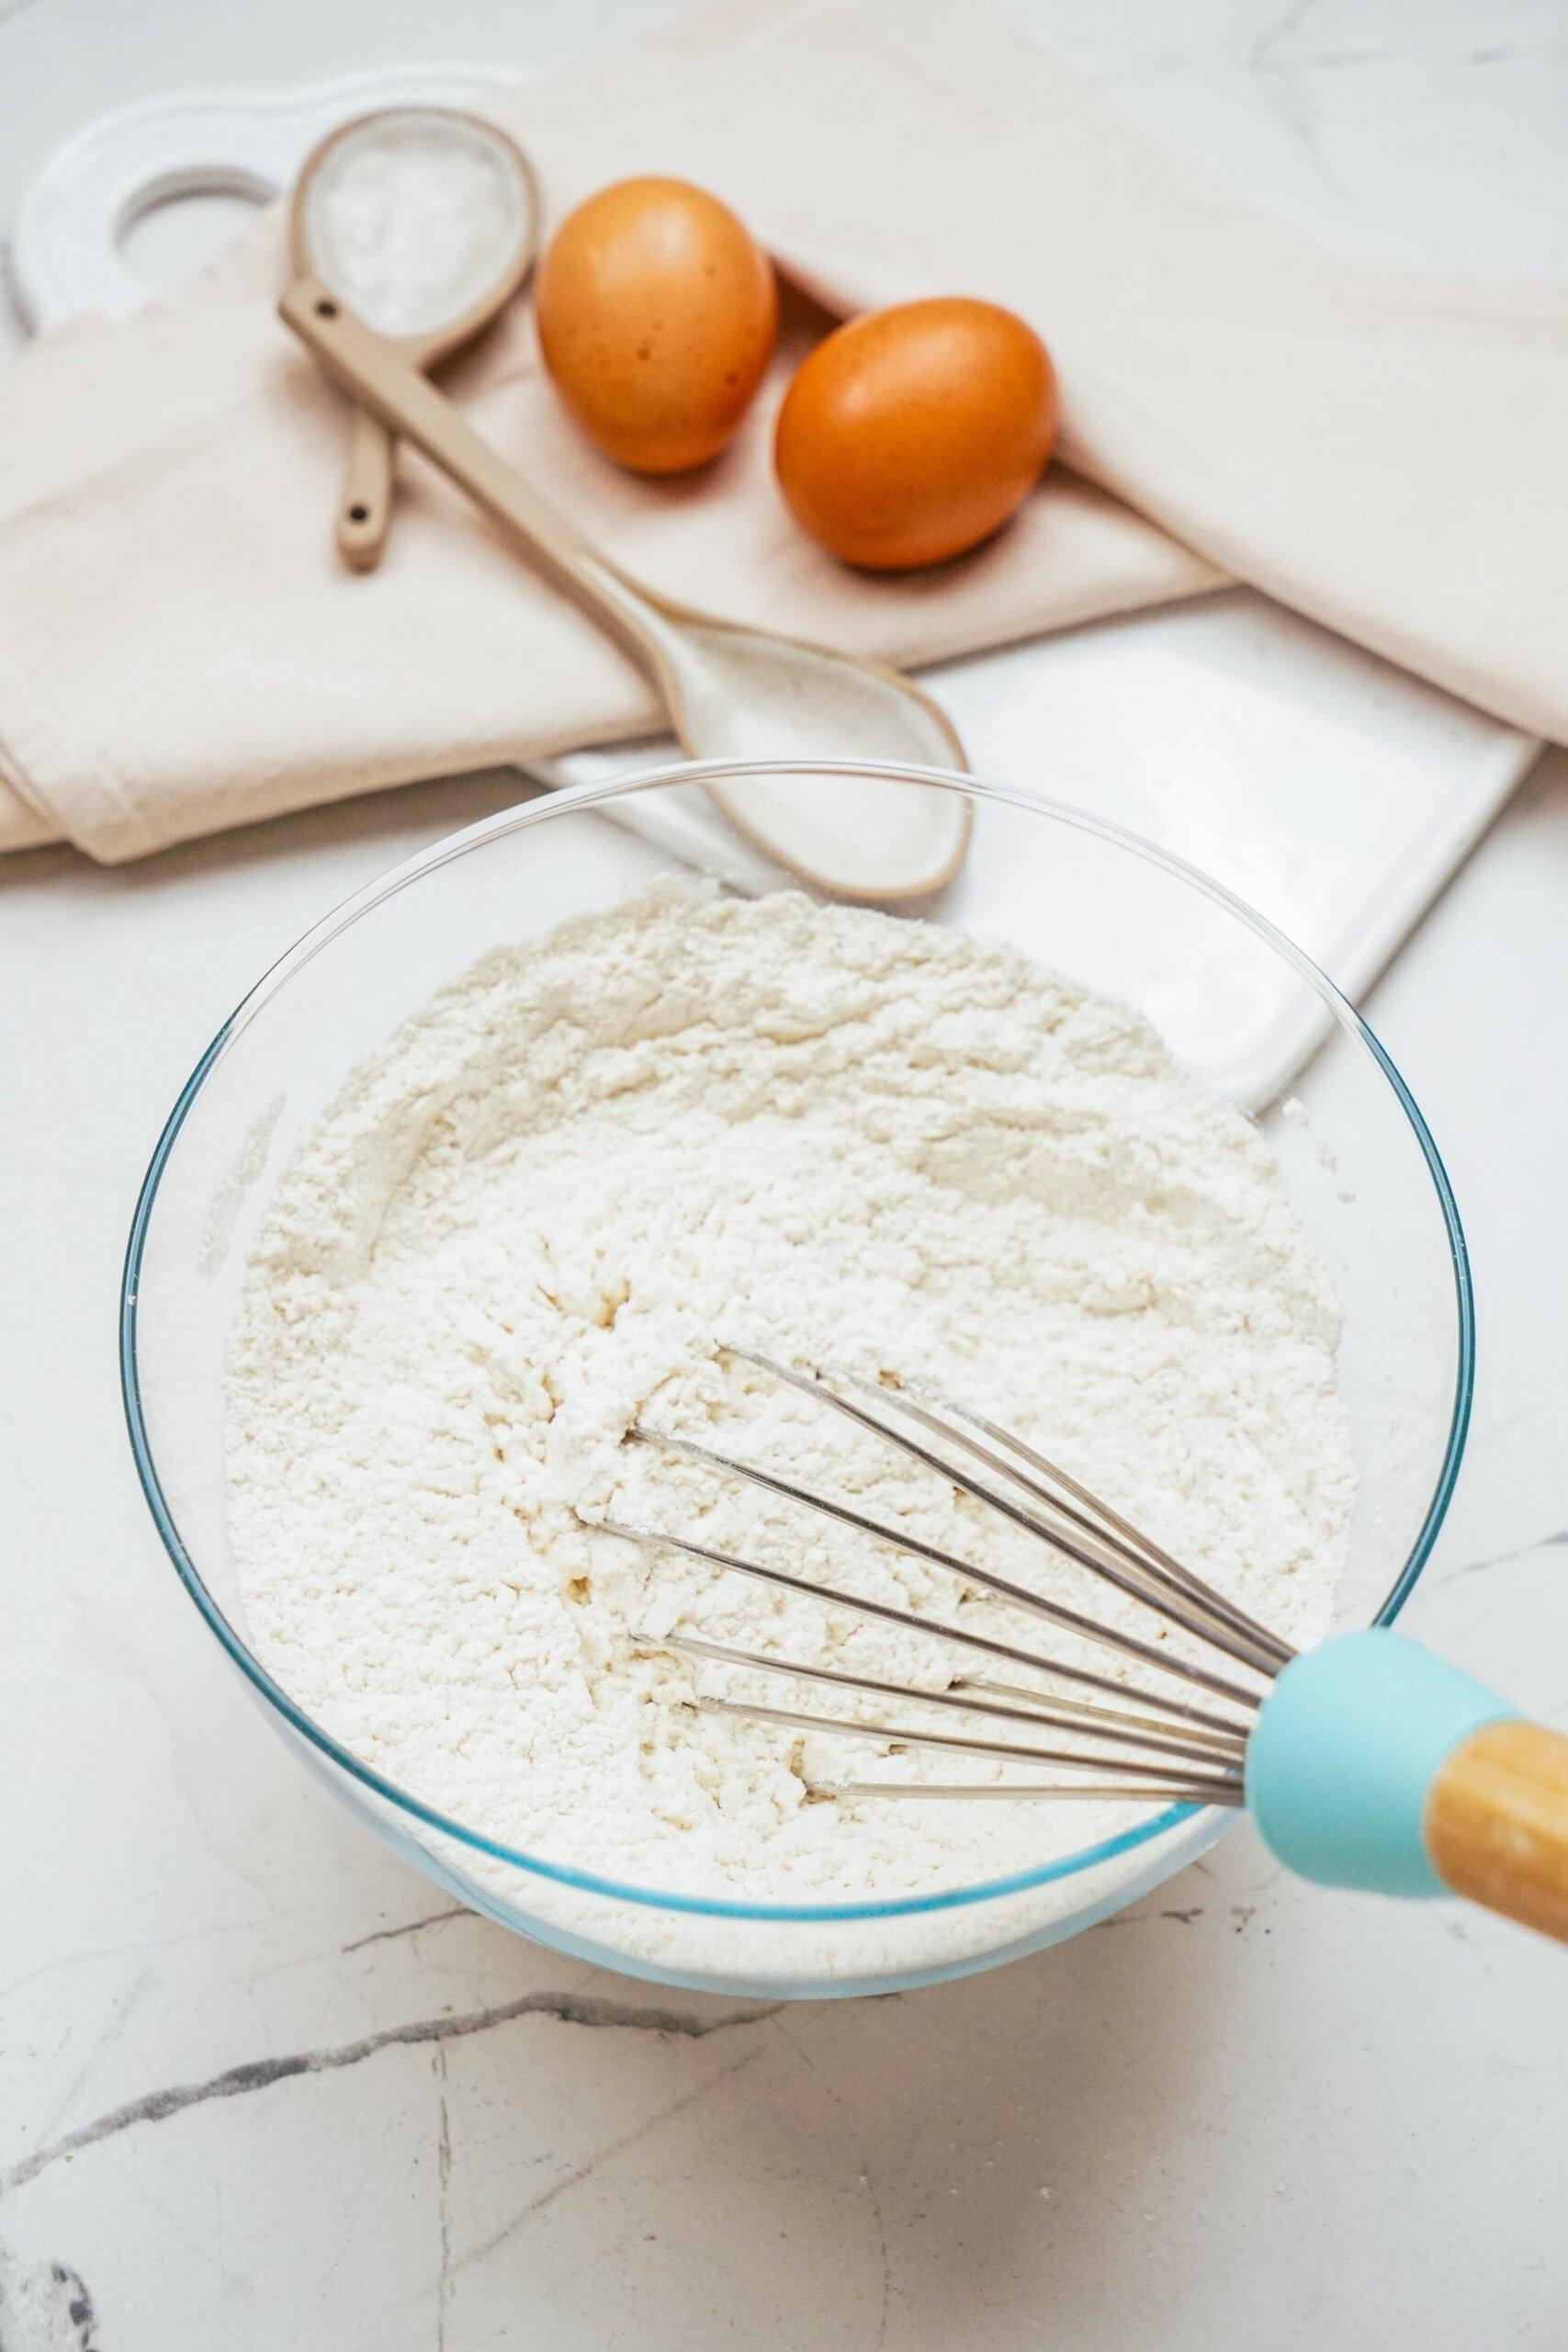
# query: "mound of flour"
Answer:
x=840 y=1137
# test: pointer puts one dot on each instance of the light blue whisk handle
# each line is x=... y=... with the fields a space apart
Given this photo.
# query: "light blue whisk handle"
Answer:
x=1345 y=1752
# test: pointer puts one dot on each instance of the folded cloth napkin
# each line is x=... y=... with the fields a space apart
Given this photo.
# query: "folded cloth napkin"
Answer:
x=1385 y=450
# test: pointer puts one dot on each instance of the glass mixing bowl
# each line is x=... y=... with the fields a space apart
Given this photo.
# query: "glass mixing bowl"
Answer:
x=1241 y=1007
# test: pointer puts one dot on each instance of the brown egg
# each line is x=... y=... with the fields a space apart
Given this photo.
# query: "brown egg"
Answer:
x=658 y=312
x=911 y=434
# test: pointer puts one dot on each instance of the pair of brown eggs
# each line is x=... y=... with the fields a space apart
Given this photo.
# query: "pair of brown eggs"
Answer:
x=906 y=436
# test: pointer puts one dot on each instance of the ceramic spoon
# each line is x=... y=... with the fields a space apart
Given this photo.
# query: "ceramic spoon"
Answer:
x=730 y=692
x=424 y=222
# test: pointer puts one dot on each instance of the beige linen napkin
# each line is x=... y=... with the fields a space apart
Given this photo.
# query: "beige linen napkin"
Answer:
x=1385 y=450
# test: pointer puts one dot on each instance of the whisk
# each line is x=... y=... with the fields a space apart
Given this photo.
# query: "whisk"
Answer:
x=1365 y=1762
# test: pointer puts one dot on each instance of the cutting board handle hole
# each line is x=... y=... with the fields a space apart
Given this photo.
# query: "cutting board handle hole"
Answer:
x=178 y=223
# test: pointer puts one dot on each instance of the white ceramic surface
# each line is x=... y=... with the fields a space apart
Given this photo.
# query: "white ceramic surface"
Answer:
x=264 y=2094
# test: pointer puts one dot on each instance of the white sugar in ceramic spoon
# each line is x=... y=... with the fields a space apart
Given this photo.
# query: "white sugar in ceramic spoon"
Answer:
x=731 y=692
x=425 y=223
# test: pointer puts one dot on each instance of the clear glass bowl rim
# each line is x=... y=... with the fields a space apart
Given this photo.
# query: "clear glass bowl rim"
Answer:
x=588 y=796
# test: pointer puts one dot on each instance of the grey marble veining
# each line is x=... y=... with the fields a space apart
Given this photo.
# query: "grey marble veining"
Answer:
x=260 y=2087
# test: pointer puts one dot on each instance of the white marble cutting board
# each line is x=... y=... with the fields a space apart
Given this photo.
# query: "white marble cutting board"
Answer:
x=1333 y=791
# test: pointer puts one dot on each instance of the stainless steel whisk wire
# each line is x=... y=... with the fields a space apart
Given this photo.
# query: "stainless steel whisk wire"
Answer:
x=1184 y=1749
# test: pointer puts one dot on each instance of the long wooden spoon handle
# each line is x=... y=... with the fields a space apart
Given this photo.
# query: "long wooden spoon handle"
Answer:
x=364 y=515
x=1496 y=1822
x=407 y=403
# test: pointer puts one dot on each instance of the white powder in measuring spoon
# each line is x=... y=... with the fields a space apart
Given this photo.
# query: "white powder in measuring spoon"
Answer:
x=534 y=1214
x=413 y=217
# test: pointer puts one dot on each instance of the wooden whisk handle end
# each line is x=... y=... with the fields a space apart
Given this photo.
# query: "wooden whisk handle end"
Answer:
x=1496 y=1822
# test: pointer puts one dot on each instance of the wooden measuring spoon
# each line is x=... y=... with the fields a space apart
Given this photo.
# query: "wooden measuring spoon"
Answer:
x=423 y=222
x=731 y=692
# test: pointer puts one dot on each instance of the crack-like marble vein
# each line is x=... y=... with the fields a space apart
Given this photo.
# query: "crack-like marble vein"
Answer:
x=639 y=2132
x=260 y=2074
x=408 y=1927
x=884 y=2308
x=1278 y=72
x=116 y=2018
x=884 y=2254
x=442 y=2182
x=1144 y=1918
x=602 y=2155
x=44 y=2310
x=1264 y=55
x=1329 y=61
x=1504 y=1559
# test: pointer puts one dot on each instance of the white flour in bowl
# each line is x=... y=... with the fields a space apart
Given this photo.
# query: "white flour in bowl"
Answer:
x=831 y=1134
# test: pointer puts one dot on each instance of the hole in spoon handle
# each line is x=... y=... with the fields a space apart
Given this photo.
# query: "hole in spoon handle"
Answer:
x=365 y=512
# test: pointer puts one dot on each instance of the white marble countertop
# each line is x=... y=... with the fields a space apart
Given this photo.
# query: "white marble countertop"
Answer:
x=262 y=2088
